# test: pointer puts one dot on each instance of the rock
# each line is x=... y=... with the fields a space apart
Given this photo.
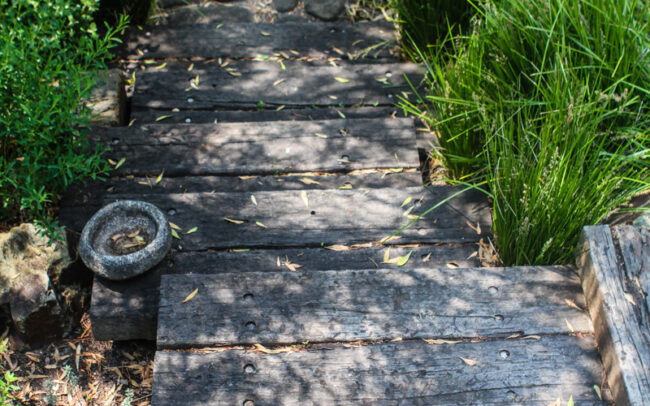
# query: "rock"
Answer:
x=327 y=10
x=125 y=239
x=27 y=262
x=108 y=100
x=285 y=5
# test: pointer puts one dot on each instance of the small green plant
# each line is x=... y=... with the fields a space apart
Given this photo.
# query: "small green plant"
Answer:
x=50 y=53
x=50 y=393
x=73 y=379
x=128 y=399
x=7 y=380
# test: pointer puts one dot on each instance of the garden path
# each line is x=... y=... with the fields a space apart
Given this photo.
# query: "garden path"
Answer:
x=277 y=153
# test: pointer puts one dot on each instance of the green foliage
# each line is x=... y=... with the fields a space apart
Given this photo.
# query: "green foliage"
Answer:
x=128 y=399
x=50 y=53
x=6 y=381
x=547 y=102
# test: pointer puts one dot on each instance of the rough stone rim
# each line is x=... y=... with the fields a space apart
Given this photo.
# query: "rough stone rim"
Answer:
x=131 y=264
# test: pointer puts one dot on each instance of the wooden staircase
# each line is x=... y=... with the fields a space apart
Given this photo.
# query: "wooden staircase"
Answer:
x=276 y=152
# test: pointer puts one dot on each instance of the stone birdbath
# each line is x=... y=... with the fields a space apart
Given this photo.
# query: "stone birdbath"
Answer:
x=125 y=239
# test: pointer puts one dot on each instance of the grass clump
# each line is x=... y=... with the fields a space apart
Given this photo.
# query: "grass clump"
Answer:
x=547 y=103
x=50 y=53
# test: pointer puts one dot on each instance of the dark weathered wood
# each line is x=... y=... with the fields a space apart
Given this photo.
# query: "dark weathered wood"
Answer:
x=377 y=304
x=247 y=40
x=332 y=217
x=525 y=372
x=623 y=342
x=634 y=246
x=301 y=85
x=92 y=194
x=265 y=148
x=248 y=116
x=204 y=14
x=128 y=310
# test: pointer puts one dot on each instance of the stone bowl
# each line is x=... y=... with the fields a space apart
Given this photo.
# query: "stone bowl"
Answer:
x=145 y=229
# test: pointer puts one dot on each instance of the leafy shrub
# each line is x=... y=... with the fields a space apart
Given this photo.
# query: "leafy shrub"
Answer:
x=548 y=102
x=50 y=53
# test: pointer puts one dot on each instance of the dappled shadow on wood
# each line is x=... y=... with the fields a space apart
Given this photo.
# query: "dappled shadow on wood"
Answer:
x=521 y=349
x=413 y=372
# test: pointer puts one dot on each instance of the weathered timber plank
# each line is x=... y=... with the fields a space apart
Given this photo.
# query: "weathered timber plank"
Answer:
x=265 y=148
x=377 y=304
x=634 y=245
x=92 y=194
x=623 y=343
x=247 y=40
x=239 y=116
x=205 y=14
x=315 y=217
x=299 y=84
x=129 y=310
x=526 y=372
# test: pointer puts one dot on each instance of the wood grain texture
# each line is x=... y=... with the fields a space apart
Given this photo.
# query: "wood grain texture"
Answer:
x=378 y=304
x=129 y=310
x=206 y=14
x=265 y=148
x=623 y=343
x=254 y=116
x=247 y=40
x=634 y=246
x=535 y=372
x=320 y=217
x=93 y=193
x=298 y=85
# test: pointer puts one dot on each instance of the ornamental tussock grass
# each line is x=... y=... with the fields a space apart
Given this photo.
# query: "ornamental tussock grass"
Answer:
x=547 y=102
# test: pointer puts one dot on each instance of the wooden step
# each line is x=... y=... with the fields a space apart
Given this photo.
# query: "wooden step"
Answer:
x=247 y=40
x=316 y=217
x=251 y=116
x=128 y=310
x=615 y=271
x=93 y=193
x=501 y=372
x=204 y=14
x=378 y=304
x=290 y=84
x=265 y=148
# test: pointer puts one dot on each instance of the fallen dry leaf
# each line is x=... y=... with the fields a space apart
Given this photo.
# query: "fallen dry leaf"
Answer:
x=191 y=295
x=571 y=303
x=440 y=341
x=305 y=199
x=309 y=181
x=234 y=221
x=569 y=326
x=468 y=361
